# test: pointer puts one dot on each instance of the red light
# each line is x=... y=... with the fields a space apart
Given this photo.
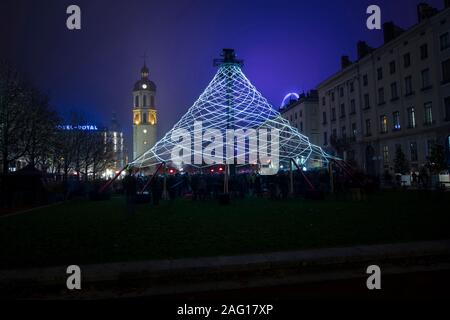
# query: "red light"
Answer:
x=221 y=169
x=171 y=171
x=212 y=170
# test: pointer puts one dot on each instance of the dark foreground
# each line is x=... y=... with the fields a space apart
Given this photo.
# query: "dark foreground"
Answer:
x=85 y=232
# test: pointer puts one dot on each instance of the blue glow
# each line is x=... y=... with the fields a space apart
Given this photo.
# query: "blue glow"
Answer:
x=85 y=127
x=289 y=97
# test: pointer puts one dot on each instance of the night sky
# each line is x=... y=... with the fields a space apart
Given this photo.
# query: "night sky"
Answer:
x=287 y=46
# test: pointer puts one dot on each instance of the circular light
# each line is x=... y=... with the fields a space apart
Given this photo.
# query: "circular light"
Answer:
x=145 y=130
x=144 y=86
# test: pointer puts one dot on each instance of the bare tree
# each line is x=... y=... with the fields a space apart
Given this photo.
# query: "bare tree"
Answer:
x=14 y=103
x=41 y=130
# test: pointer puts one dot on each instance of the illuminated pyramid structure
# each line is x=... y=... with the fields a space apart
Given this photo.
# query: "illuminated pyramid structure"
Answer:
x=231 y=101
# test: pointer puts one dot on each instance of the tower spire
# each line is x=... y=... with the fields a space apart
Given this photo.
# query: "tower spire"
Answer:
x=145 y=58
x=144 y=70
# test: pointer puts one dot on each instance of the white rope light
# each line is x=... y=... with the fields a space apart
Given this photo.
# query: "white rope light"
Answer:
x=230 y=101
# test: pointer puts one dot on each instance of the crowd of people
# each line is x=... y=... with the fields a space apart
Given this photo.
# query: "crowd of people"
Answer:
x=203 y=186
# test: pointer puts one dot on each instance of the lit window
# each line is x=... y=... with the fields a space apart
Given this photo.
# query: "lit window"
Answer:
x=396 y=120
x=383 y=124
x=411 y=118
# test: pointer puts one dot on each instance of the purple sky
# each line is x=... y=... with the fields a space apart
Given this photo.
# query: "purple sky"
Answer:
x=287 y=46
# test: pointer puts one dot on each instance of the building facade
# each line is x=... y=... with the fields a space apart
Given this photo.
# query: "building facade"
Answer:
x=144 y=114
x=115 y=135
x=394 y=96
x=303 y=114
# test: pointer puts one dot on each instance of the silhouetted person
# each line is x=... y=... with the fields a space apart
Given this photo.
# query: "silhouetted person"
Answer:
x=157 y=189
x=130 y=188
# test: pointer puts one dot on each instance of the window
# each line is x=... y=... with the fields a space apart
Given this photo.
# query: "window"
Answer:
x=352 y=106
x=406 y=60
x=396 y=120
x=136 y=101
x=341 y=91
x=423 y=51
x=444 y=40
x=333 y=114
x=430 y=145
x=446 y=71
x=354 y=130
x=365 y=80
x=334 y=133
x=323 y=101
x=301 y=126
x=392 y=67
x=352 y=87
x=136 y=118
x=152 y=101
x=385 y=154
x=145 y=101
x=380 y=95
x=144 y=117
x=425 y=78
x=332 y=96
x=380 y=73
x=383 y=124
x=342 y=110
x=366 y=101
x=411 y=118
x=413 y=150
x=295 y=115
x=301 y=113
x=344 y=133
x=447 y=108
x=324 y=117
x=408 y=86
x=428 y=113
x=368 y=128
x=325 y=139
x=394 y=92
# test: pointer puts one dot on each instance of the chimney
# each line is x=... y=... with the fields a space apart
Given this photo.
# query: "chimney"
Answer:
x=425 y=11
x=362 y=49
x=391 y=31
x=345 y=62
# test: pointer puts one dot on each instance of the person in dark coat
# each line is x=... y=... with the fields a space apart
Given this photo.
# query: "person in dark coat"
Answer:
x=130 y=189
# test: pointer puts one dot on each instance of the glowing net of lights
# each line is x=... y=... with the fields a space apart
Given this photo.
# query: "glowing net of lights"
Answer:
x=230 y=101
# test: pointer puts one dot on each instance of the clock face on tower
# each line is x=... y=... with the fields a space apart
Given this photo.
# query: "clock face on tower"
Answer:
x=144 y=86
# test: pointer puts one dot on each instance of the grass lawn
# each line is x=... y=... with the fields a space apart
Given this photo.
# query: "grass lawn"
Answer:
x=81 y=232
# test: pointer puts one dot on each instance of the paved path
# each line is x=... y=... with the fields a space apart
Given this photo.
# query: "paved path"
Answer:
x=243 y=271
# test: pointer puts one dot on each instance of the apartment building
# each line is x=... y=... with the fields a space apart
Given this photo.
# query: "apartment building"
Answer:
x=394 y=96
x=303 y=114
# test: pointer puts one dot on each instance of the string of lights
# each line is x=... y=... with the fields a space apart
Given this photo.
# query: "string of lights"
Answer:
x=231 y=101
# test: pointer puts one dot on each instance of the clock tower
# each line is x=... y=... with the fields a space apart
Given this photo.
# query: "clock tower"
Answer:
x=144 y=114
